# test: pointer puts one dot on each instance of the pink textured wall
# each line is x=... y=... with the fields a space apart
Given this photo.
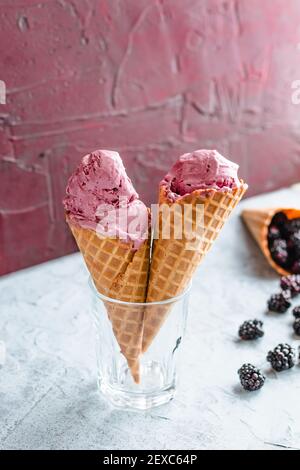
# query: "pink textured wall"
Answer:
x=150 y=78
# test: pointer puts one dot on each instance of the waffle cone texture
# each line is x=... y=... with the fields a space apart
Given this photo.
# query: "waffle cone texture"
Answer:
x=120 y=273
x=258 y=222
x=174 y=260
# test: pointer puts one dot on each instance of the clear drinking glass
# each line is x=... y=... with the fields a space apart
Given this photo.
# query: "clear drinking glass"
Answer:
x=158 y=363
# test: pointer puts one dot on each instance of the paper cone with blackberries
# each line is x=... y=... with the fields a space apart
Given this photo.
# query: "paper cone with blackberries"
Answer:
x=277 y=232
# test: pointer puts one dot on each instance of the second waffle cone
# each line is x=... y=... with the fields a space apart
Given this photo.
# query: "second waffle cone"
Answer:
x=174 y=261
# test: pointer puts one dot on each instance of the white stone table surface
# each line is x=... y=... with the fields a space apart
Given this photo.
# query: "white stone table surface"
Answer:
x=48 y=393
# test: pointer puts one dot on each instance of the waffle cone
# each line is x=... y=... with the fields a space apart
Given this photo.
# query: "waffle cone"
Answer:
x=174 y=261
x=120 y=273
x=258 y=221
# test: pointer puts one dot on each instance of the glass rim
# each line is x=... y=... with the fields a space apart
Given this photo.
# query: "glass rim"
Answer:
x=137 y=304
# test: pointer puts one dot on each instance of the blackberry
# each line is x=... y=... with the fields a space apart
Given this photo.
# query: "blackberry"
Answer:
x=279 y=220
x=292 y=226
x=296 y=267
x=296 y=237
x=251 y=378
x=281 y=258
x=279 y=251
x=296 y=326
x=251 y=329
x=273 y=233
x=279 y=303
x=296 y=223
x=291 y=283
x=282 y=357
x=293 y=244
x=296 y=312
x=279 y=245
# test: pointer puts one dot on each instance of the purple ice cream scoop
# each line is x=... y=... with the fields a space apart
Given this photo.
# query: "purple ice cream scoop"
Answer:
x=101 y=197
x=201 y=169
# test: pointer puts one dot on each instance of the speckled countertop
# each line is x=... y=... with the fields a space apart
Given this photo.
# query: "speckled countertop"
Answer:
x=48 y=394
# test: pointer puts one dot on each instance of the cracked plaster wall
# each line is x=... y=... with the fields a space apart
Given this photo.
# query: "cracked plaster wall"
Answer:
x=150 y=78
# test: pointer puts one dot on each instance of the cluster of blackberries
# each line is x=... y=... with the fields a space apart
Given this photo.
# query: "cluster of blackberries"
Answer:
x=284 y=242
x=283 y=357
x=281 y=302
